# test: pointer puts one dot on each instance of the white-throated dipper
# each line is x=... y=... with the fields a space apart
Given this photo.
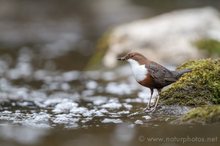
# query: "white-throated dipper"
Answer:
x=151 y=74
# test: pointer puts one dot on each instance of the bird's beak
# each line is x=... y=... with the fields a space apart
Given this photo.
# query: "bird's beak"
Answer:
x=122 y=58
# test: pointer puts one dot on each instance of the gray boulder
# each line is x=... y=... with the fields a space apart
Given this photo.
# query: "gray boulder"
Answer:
x=168 y=38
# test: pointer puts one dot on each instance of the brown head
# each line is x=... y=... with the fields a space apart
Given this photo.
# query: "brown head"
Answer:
x=134 y=56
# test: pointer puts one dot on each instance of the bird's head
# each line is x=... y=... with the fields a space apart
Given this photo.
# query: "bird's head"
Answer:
x=132 y=56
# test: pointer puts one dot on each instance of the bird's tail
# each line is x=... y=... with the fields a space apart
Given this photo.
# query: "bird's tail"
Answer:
x=182 y=72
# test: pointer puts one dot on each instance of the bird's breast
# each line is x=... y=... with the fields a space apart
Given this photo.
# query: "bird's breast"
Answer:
x=139 y=70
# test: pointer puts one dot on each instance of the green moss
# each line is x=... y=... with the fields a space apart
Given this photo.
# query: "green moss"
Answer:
x=101 y=48
x=199 y=87
x=211 y=46
x=207 y=114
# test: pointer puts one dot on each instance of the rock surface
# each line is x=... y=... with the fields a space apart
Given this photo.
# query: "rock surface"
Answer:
x=167 y=38
x=207 y=114
x=199 y=87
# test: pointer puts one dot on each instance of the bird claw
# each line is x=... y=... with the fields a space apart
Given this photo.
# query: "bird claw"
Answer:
x=150 y=110
x=145 y=110
x=149 y=107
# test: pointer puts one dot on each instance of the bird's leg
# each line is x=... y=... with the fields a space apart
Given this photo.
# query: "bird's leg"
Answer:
x=148 y=108
x=151 y=94
x=156 y=102
x=149 y=102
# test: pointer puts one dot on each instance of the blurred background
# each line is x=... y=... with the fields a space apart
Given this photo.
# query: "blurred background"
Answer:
x=63 y=35
x=45 y=87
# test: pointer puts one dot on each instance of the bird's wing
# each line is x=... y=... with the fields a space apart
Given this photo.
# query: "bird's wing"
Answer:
x=160 y=74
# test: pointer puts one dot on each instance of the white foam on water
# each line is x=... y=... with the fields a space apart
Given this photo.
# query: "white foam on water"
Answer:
x=87 y=93
x=79 y=110
x=127 y=106
x=119 y=88
x=65 y=119
x=116 y=121
x=139 y=122
x=38 y=120
x=71 y=76
x=65 y=107
x=112 y=105
x=91 y=85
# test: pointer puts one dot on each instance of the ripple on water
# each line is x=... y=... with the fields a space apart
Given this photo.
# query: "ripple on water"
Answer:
x=72 y=99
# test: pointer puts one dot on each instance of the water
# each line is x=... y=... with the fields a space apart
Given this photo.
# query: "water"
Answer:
x=73 y=99
x=48 y=98
x=121 y=134
x=86 y=108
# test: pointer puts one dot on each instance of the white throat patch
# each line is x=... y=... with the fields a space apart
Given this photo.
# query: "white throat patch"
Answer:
x=139 y=71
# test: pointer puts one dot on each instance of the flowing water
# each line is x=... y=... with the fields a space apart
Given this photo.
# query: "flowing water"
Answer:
x=46 y=96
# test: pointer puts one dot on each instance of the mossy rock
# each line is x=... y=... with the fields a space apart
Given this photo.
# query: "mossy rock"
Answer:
x=203 y=115
x=199 y=87
x=210 y=46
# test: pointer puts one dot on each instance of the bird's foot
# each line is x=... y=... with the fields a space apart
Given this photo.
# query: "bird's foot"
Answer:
x=149 y=109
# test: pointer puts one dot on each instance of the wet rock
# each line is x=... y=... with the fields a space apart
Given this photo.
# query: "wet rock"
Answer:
x=167 y=38
x=173 y=110
x=203 y=115
x=199 y=87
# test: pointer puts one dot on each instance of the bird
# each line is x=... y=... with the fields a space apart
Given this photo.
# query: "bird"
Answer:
x=151 y=75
